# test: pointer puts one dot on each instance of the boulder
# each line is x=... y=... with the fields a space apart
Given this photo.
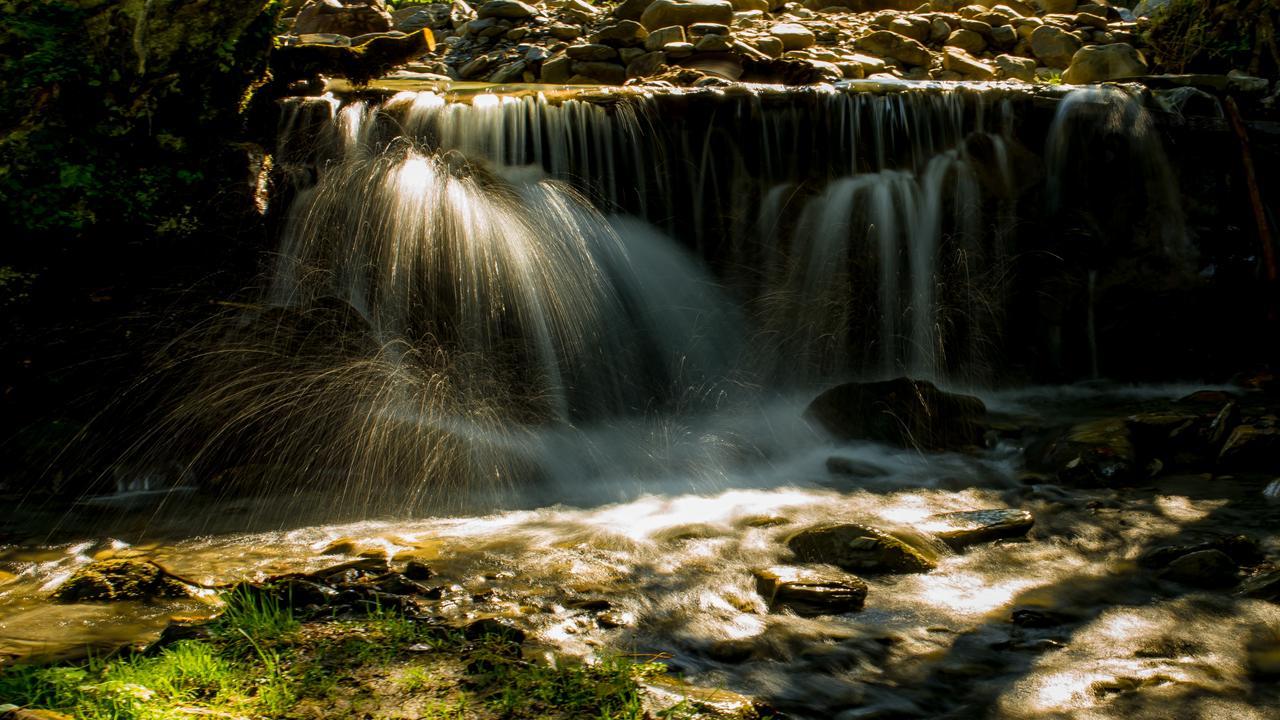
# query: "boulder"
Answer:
x=901 y=412
x=957 y=60
x=1055 y=6
x=630 y=9
x=1054 y=46
x=858 y=549
x=1242 y=549
x=662 y=13
x=506 y=9
x=1012 y=67
x=1093 y=454
x=1204 y=568
x=1263 y=586
x=118 y=580
x=626 y=33
x=750 y=5
x=357 y=17
x=793 y=35
x=605 y=73
x=972 y=527
x=809 y=591
x=660 y=37
x=967 y=40
x=557 y=70
x=713 y=43
x=892 y=45
x=1251 y=448
x=591 y=53
x=1100 y=63
x=650 y=63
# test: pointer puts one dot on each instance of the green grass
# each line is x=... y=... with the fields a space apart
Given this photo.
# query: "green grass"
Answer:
x=260 y=661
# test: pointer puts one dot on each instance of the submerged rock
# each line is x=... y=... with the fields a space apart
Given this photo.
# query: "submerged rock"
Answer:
x=858 y=549
x=1263 y=586
x=902 y=412
x=971 y=527
x=118 y=580
x=808 y=591
x=1094 y=454
x=1204 y=568
x=1251 y=448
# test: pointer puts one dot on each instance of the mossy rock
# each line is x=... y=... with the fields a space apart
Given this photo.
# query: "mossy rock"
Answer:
x=901 y=412
x=119 y=580
x=859 y=549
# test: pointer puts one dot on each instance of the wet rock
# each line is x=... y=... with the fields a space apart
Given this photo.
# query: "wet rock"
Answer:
x=1011 y=67
x=350 y=571
x=1263 y=586
x=1099 y=63
x=507 y=9
x=662 y=13
x=793 y=36
x=1242 y=549
x=1094 y=454
x=418 y=571
x=1250 y=448
x=971 y=527
x=493 y=628
x=901 y=412
x=854 y=468
x=713 y=43
x=630 y=9
x=808 y=592
x=892 y=45
x=858 y=549
x=731 y=651
x=119 y=580
x=1053 y=46
x=1205 y=568
x=1040 y=618
x=343 y=17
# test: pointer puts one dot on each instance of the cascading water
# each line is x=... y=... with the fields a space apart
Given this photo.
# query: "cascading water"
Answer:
x=630 y=300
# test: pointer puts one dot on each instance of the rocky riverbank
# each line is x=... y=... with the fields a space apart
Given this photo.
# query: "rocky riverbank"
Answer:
x=877 y=576
x=710 y=42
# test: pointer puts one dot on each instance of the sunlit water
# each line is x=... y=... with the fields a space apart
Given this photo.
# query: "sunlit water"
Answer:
x=670 y=539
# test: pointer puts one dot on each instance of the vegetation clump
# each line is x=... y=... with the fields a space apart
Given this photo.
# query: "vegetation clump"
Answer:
x=1216 y=37
x=261 y=659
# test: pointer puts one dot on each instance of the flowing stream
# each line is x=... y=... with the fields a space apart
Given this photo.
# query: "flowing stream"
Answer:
x=562 y=350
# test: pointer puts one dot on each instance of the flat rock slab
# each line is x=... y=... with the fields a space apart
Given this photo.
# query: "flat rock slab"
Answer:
x=809 y=591
x=859 y=549
x=972 y=527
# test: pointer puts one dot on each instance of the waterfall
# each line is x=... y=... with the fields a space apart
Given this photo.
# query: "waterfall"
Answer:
x=483 y=294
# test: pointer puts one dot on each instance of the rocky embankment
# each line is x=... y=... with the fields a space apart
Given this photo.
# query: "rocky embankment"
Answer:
x=709 y=42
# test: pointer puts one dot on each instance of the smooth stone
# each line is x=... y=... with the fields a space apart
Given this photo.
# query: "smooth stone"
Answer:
x=649 y=63
x=957 y=60
x=793 y=36
x=606 y=73
x=1012 y=67
x=565 y=32
x=1100 y=63
x=1053 y=46
x=678 y=50
x=591 y=53
x=967 y=40
x=713 y=43
x=508 y=9
x=627 y=33
x=857 y=548
x=893 y=45
x=700 y=29
x=971 y=527
x=808 y=592
x=557 y=70
x=660 y=37
x=662 y=13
